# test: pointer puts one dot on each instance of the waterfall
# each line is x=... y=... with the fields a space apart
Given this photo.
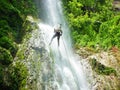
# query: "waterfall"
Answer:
x=67 y=73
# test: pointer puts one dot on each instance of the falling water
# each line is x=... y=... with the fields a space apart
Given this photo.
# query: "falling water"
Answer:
x=68 y=74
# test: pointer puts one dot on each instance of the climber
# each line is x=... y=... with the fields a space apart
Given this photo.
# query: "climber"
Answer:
x=58 y=32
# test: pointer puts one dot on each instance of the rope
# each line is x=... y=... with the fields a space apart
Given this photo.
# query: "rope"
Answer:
x=65 y=47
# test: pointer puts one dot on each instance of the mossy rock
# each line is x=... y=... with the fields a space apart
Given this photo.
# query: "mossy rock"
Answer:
x=18 y=76
x=5 y=57
x=14 y=77
x=102 y=69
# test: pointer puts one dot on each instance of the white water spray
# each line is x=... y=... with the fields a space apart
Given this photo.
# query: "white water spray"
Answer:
x=68 y=74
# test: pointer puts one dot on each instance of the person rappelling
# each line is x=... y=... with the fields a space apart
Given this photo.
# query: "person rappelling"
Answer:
x=58 y=32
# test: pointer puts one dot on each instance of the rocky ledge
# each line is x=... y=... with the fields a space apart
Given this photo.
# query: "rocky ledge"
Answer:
x=102 y=68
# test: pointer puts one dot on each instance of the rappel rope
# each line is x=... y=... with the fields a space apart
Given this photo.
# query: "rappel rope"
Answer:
x=65 y=48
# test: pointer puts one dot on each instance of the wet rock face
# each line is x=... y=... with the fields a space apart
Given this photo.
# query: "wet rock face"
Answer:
x=38 y=62
x=102 y=75
x=116 y=5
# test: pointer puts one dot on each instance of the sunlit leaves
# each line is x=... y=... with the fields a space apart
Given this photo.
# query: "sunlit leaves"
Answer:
x=87 y=2
x=75 y=7
x=93 y=22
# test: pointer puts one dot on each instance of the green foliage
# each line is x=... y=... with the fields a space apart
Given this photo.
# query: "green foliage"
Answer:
x=8 y=44
x=1 y=75
x=18 y=76
x=93 y=22
x=5 y=57
x=13 y=77
x=12 y=16
x=10 y=20
x=82 y=29
x=101 y=69
x=109 y=33
x=75 y=7
x=25 y=7
x=87 y=2
x=5 y=29
x=13 y=27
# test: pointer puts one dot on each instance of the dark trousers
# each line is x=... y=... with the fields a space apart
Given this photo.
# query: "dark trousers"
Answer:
x=57 y=34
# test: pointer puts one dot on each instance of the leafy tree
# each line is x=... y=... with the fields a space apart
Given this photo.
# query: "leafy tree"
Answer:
x=13 y=27
x=93 y=22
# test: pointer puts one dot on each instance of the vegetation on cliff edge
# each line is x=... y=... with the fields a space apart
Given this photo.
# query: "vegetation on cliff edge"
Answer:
x=93 y=23
x=13 y=27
